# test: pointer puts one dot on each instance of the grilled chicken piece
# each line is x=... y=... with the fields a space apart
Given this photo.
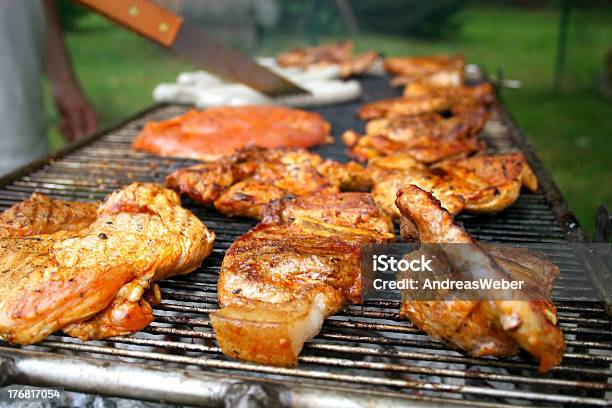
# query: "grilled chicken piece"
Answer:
x=97 y=281
x=539 y=274
x=130 y=312
x=481 y=94
x=390 y=173
x=428 y=138
x=437 y=70
x=41 y=215
x=218 y=132
x=340 y=53
x=349 y=176
x=404 y=106
x=283 y=278
x=340 y=209
x=319 y=55
x=244 y=183
x=358 y=64
x=420 y=98
x=417 y=66
x=486 y=327
x=480 y=184
x=489 y=183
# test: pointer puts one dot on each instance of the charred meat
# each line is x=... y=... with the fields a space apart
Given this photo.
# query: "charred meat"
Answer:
x=283 y=278
x=483 y=327
x=428 y=138
x=480 y=184
x=244 y=183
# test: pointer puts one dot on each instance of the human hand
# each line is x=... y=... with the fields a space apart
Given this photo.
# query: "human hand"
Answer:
x=77 y=117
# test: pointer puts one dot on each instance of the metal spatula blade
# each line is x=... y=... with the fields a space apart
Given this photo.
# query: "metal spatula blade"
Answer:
x=200 y=48
x=164 y=27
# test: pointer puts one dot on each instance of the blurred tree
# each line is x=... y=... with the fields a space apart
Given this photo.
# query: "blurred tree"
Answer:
x=543 y=3
x=296 y=16
x=404 y=17
x=408 y=17
x=606 y=84
x=70 y=13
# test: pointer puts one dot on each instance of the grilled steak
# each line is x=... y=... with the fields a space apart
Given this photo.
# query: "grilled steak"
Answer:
x=95 y=281
x=485 y=327
x=283 y=278
x=218 y=132
x=244 y=183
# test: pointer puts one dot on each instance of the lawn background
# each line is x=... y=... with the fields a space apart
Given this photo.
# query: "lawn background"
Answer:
x=571 y=129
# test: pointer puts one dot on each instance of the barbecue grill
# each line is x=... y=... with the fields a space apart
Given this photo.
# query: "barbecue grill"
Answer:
x=364 y=356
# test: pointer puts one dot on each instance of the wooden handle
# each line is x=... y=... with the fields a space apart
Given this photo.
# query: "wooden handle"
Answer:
x=142 y=16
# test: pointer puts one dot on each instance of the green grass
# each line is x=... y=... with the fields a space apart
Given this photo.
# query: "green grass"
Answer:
x=570 y=129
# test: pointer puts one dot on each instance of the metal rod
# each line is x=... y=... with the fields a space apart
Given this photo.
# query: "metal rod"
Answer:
x=184 y=386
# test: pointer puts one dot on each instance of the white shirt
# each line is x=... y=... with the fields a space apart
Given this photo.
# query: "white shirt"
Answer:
x=22 y=115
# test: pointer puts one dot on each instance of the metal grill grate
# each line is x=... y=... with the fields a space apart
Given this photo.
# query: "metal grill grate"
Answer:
x=365 y=353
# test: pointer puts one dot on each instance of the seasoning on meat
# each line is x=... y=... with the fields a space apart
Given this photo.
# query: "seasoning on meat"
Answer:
x=480 y=184
x=283 y=278
x=217 y=132
x=242 y=184
x=483 y=327
x=92 y=274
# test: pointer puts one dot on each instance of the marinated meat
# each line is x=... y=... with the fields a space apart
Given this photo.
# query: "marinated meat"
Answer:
x=320 y=55
x=390 y=173
x=358 y=64
x=489 y=183
x=95 y=281
x=41 y=215
x=217 y=132
x=479 y=184
x=283 y=278
x=481 y=94
x=437 y=70
x=244 y=183
x=421 y=98
x=428 y=138
x=340 y=54
x=483 y=327
x=404 y=106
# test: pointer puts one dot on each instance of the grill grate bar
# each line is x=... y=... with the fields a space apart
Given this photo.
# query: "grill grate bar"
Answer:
x=405 y=328
x=355 y=312
x=349 y=312
x=377 y=366
x=387 y=353
x=326 y=375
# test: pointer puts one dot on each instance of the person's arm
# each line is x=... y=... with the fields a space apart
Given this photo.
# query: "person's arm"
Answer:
x=77 y=117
